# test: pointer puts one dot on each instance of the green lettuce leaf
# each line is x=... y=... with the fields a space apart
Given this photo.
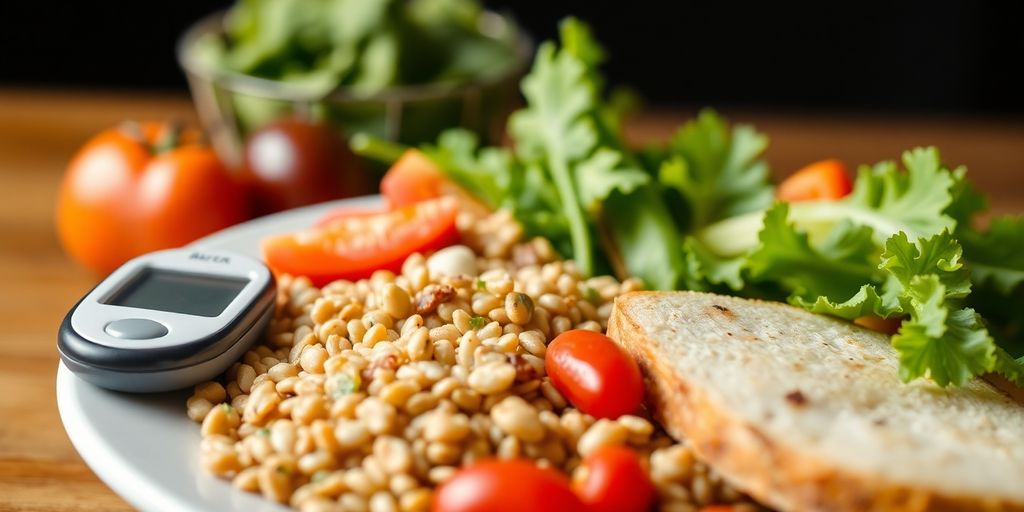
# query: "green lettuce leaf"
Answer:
x=836 y=269
x=914 y=202
x=603 y=173
x=490 y=173
x=884 y=199
x=556 y=132
x=966 y=200
x=644 y=236
x=1007 y=366
x=717 y=170
x=939 y=255
x=866 y=302
x=704 y=267
x=951 y=352
x=996 y=257
x=996 y=260
x=942 y=339
x=578 y=40
x=569 y=147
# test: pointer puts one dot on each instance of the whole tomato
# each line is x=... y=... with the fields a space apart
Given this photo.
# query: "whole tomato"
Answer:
x=506 y=486
x=594 y=373
x=139 y=188
x=291 y=163
x=615 y=481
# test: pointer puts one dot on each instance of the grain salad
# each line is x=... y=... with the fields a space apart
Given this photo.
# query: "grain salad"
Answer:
x=364 y=396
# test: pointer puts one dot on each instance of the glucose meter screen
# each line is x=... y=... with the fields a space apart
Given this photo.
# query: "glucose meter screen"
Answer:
x=179 y=292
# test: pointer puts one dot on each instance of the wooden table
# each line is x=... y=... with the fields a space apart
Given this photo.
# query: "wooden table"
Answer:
x=39 y=131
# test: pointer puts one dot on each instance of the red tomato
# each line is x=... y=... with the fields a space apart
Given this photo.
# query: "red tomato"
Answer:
x=824 y=180
x=291 y=163
x=353 y=247
x=349 y=211
x=413 y=178
x=506 y=486
x=615 y=481
x=594 y=373
x=140 y=188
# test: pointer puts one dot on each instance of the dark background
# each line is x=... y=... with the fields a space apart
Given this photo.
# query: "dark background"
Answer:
x=909 y=56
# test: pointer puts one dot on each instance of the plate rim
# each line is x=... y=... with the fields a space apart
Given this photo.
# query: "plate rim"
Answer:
x=113 y=470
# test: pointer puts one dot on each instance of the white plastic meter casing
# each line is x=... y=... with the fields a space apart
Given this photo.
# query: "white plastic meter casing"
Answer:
x=167 y=320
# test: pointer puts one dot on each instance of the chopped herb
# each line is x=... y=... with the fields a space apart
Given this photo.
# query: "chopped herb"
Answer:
x=376 y=44
x=481 y=284
x=319 y=476
x=345 y=384
x=282 y=470
x=264 y=432
x=591 y=295
x=477 y=322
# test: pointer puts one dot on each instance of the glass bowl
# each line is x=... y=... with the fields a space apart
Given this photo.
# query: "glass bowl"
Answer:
x=232 y=104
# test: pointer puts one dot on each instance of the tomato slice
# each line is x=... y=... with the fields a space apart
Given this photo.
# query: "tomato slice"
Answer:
x=342 y=212
x=353 y=247
x=414 y=178
x=824 y=180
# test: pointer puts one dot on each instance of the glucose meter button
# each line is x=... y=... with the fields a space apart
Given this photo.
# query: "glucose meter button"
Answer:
x=135 y=329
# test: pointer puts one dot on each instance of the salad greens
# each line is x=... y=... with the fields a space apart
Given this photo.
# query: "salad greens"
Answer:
x=570 y=178
x=366 y=45
x=717 y=171
x=559 y=137
x=890 y=249
x=700 y=213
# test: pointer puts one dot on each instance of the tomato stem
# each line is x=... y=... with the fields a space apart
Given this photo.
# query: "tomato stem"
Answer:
x=168 y=139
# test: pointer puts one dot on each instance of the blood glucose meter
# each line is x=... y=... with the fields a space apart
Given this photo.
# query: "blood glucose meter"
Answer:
x=168 y=320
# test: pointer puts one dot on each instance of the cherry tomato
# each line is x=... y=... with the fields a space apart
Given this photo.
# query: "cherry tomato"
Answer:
x=594 y=373
x=506 y=486
x=824 y=180
x=291 y=163
x=615 y=481
x=139 y=188
x=353 y=247
x=718 y=508
x=413 y=178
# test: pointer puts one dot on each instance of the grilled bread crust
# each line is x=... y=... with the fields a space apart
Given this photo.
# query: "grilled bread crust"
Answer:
x=807 y=413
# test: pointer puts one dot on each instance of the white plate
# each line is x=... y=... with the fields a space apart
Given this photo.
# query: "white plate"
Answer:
x=144 y=446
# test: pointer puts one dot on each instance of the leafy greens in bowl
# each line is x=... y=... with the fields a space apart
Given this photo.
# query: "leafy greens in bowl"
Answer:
x=404 y=70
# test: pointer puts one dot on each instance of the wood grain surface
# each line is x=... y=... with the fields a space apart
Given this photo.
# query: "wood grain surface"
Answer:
x=39 y=131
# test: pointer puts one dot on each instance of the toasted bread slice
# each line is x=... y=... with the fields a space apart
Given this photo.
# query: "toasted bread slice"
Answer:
x=807 y=412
